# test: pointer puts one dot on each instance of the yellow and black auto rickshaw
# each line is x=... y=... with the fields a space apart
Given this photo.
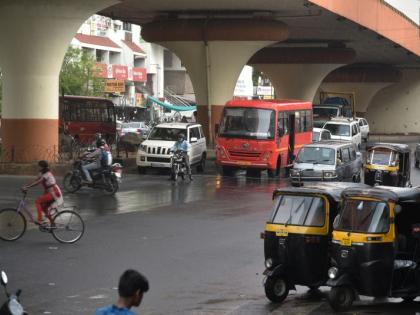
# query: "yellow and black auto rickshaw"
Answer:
x=297 y=237
x=375 y=245
x=388 y=164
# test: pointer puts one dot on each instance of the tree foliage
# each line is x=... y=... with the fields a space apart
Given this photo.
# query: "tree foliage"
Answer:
x=77 y=76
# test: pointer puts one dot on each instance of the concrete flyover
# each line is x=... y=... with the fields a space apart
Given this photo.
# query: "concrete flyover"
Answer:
x=214 y=40
x=214 y=53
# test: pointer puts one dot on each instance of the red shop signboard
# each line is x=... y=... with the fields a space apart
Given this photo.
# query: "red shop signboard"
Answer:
x=139 y=74
x=120 y=72
x=101 y=70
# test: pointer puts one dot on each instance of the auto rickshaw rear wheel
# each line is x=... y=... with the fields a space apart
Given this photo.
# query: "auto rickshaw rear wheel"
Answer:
x=341 y=298
x=276 y=289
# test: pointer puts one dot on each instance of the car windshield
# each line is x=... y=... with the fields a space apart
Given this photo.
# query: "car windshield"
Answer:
x=250 y=123
x=341 y=130
x=165 y=134
x=315 y=136
x=364 y=216
x=299 y=210
x=380 y=157
x=316 y=155
x=325 y=112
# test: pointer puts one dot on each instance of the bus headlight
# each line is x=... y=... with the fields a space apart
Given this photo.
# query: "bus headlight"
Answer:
x=266 y=156
x=221 y=151
x=268 y=263
x=332 y=272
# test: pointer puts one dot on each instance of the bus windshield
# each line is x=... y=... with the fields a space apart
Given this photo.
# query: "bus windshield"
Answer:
x=363 y=216
x=165 y=134
x=299 y=210
x=316 y=155
x=325 y=111
x=250 y=123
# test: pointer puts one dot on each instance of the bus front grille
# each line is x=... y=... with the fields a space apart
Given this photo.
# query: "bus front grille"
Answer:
x=244 y=154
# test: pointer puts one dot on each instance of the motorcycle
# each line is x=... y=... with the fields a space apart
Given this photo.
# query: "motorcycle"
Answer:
x=178 y=166
x=105 y=178
x=12 y=306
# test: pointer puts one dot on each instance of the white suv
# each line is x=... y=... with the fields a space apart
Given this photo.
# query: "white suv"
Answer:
x=364 y=128
x=155 y=151
x=345 y=129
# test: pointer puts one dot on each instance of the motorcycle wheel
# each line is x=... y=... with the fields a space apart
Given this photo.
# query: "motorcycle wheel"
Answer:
x=111 y=186
x=72 y=183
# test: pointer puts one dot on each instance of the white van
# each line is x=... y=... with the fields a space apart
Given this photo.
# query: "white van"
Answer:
x=345 y=129
x=155 y=151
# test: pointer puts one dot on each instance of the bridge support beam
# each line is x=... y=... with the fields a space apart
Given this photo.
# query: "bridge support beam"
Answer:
x=34 y=37
x=214 y=53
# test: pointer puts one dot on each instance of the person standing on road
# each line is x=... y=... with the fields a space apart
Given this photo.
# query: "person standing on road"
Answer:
x=183 y=146
x=131 y=289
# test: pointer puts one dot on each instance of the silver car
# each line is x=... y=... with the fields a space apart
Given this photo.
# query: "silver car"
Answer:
x=327 y=161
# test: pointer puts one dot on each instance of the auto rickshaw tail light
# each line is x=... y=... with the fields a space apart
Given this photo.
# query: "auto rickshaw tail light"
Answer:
x=312 y=239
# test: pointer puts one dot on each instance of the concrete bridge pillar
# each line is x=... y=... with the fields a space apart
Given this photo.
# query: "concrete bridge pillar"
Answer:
x=297 y=72
x=34 y=37
x=214 y=53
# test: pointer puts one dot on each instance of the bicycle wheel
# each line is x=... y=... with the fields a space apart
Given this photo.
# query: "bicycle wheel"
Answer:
x=12 y=224
x=67 y=227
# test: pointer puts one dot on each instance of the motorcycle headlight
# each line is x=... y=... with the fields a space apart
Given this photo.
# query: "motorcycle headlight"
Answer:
x=332 y=272
x=268 y=263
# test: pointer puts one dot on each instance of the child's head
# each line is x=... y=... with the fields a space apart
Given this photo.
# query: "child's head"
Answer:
x=132 y=286
x=43 y=166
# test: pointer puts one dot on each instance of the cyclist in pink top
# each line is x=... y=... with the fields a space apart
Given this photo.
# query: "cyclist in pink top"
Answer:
x=52 y=196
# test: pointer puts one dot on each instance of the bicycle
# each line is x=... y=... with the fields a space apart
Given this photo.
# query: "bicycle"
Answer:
x=65 y=225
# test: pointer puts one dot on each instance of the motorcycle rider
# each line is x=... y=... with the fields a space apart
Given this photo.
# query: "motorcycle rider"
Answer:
x=97 y=157
x=182 y=145
x=52 y=195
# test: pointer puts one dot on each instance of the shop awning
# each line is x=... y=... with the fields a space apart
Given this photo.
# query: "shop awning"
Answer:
x=151 y=99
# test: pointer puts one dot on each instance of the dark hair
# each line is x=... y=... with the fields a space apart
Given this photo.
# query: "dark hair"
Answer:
x=130 y=282
x=100 y=143
x=44 y=165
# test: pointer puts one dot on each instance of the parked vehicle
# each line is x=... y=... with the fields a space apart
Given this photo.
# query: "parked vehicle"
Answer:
x=319 y=134
x=107 y=179
x=297 y=237
x=327 y=161
x=155 y=151
x=324 y=113
x=388 y=164
x=364 y=128
x=345 y=129
x=375 y=246
x=262 y=135
x=178 y=167
x=83 y=117
x=137 y=127
x=12 y=305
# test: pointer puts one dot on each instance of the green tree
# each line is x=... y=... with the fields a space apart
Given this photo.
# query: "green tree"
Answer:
x=77 y=76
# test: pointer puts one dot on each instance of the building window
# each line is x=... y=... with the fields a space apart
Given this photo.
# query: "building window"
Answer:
x=127 y=26
x=167 y=59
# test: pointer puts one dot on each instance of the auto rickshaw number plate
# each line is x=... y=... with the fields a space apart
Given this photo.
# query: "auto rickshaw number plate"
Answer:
x=346 y=242
x=282 y=233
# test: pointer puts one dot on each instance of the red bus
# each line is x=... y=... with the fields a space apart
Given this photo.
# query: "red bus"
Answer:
x=83 y=117
x=262 y=135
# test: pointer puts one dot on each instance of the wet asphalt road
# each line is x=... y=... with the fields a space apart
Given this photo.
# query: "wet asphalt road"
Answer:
x=197 y=243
